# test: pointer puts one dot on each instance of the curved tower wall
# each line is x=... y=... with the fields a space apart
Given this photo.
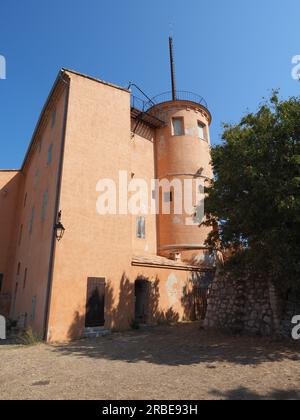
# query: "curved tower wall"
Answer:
x=182 y=157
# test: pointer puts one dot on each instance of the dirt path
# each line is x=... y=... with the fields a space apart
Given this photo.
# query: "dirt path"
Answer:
x=178 y=362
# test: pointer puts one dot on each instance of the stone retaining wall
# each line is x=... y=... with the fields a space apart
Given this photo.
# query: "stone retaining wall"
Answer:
x=248 y=306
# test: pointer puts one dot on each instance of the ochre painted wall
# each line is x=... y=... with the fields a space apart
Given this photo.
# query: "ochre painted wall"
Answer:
x=9 y=190
x=143 y=167
x=33 y=250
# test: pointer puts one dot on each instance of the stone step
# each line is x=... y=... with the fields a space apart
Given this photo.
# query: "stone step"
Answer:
x=95 y=332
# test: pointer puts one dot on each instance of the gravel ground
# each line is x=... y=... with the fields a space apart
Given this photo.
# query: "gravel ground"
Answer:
x=180 y=362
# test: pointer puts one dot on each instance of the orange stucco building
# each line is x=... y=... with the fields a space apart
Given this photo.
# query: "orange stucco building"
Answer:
x=103 y=271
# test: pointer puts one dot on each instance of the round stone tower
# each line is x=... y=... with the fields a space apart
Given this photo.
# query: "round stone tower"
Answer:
x=183 y=158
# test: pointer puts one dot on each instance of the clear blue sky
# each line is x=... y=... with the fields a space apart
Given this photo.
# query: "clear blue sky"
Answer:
x=232 y=52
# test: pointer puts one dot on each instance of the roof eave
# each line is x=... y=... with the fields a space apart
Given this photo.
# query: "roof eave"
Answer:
x=95 y=79
x=58 y=79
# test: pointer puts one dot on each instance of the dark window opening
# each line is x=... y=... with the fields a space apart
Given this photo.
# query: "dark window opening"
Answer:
x=33 y=308
x=141 y=227
x=20 y=235
x=25 y=278
x=50 y=153
x=31 y=220
x=14 y=301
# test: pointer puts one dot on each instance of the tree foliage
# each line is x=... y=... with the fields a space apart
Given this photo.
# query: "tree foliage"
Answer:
x=255 y=196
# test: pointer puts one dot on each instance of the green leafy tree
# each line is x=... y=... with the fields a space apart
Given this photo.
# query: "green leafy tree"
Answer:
x=255 y=196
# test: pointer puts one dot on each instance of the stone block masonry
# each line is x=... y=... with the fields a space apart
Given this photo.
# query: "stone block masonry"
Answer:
x=243 y=306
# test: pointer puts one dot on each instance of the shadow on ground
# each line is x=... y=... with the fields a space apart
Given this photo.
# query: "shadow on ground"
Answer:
x=248 y=395
x=182 y=344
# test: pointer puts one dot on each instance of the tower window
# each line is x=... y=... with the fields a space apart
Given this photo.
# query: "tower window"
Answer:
x=202 y=133
x=141 y=228
x=178 y=126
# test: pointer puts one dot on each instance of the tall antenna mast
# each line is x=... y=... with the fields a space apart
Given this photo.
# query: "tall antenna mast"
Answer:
x=174 y=96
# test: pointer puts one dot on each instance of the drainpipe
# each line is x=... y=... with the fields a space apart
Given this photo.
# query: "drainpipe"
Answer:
x=56 y=208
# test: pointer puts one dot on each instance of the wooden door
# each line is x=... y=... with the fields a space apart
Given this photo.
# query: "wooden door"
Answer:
x=95 y=303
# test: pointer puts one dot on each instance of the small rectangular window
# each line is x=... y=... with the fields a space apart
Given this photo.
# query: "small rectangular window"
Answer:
x=33 y=308
x=95 y=302
x=202 y=131
x=50 y=152
x=15 y=300
x=53 y=118
x=44 y=206
x=178 y=126
x=25 y=278
x=141 y=228
x=25 y=200
x=20 y=235
x=31 y=220
x=36 y=178
x=1 y=281
x=19 y=269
